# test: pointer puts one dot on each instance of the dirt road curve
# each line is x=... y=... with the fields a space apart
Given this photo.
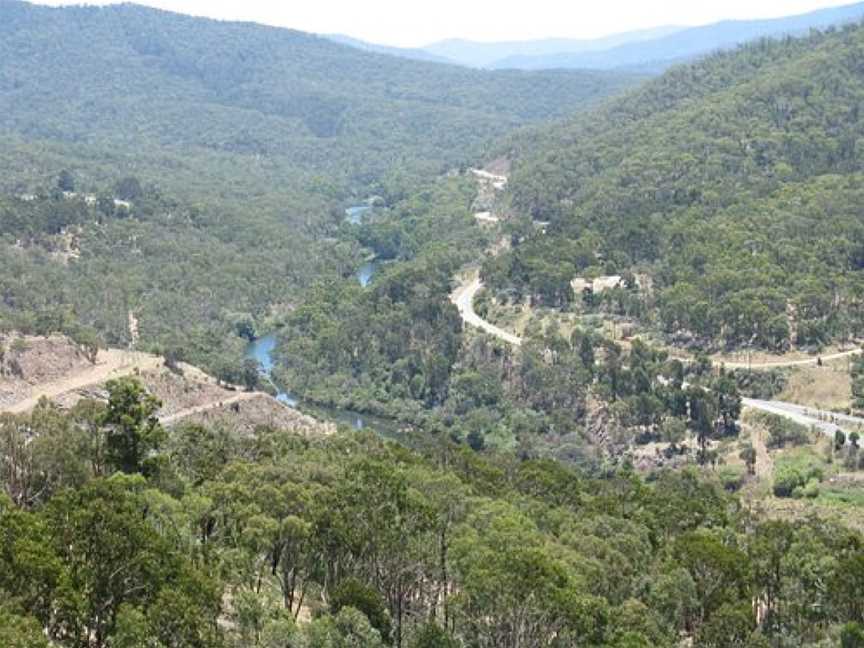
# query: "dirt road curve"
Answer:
x=110 y=364
x=463 y=298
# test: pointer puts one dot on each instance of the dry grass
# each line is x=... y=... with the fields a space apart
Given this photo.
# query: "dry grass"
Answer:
x=516 y=318
x=510 y=317
x=828 y=388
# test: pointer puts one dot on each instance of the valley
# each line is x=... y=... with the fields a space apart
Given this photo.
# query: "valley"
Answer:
x=307 y=342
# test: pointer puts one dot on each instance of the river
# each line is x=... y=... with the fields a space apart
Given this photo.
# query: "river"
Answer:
x=355 y=216
x=262 y=349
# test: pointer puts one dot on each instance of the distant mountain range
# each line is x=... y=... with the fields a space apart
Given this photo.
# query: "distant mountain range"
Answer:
x=645 y=51
x=490 y=55
x=686 y=44
x=414 y=54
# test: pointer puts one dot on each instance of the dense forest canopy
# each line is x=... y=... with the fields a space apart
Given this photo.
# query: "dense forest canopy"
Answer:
x=210 y=540
x=731 y=182
x=163 y=89
x=398 y=348
x=185 y=181
x=195 y=279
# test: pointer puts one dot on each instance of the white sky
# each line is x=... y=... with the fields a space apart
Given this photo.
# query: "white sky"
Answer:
x=411 y=23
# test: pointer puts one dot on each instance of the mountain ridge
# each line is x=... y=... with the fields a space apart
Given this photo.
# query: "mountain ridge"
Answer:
x=485 y=54
x=685 y=44
x=229 y=88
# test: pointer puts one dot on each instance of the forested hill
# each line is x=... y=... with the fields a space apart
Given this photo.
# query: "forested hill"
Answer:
x=155 y=90
x=244 y=142
x=734 y=182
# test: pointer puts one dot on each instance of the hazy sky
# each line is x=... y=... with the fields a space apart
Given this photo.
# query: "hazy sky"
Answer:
x=418 y=22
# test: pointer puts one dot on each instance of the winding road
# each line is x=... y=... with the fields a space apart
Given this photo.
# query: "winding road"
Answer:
x=464 y=294
x=463 y=297
x=827 y=423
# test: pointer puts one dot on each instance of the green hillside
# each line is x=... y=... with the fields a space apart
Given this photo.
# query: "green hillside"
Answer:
x=247 y=143
x=192 y=101
x=270 y=540
x=733 y=183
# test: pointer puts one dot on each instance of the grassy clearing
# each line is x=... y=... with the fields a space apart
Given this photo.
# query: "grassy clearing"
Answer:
x=827 y=388
x=843 y=495
x=832 y=493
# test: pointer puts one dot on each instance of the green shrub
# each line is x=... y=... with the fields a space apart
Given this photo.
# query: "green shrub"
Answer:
x=794 y=473
x=732 y=477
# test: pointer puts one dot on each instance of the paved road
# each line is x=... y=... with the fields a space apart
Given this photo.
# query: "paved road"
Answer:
x=826 y=422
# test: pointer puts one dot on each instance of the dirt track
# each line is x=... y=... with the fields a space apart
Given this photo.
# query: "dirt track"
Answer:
x=463 y=297
x=200 y=409
x=110 y=364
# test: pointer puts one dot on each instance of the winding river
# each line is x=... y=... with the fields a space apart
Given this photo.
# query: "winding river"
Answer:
x=262 y=349
x=355 y=216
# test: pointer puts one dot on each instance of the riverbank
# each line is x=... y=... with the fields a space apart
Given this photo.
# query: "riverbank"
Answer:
x=263 y=351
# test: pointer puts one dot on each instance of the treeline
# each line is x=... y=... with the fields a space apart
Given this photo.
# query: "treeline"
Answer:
x=118 y=534
x=732 y=182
